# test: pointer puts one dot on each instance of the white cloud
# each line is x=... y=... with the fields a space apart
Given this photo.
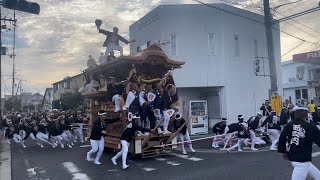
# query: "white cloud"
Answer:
x=57 y=42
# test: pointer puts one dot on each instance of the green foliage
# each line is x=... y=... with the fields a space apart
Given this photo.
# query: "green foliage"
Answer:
x=72 y=101
x=14 y=103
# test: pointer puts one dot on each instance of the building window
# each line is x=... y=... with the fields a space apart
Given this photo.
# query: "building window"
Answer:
x=305 y=93
x=211 y=44
x=300 y=72
x=255 y=47
x=236 y=46
x=68 y=85
x=173 y=44
x=298 y=94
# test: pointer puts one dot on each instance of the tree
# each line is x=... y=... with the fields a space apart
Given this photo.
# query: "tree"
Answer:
x=14 y=104
x=72 y=101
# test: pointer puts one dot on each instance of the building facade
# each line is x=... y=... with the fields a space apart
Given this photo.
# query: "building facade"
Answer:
x=67 y=85
x=301 y=78
x=47 y=99
x=219 y=50
x=31 y=102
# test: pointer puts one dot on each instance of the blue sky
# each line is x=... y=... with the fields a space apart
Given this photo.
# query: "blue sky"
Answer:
x=57 y=42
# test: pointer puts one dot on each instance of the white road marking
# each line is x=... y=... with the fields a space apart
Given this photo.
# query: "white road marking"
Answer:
x=161 y=159
x=187 y=157
x=83 y=146
x=173 y=163
x=75 y=171
x=148 y=169
x=113 y=170
x=316 y=154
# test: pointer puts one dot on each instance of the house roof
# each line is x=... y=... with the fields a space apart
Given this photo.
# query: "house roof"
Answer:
x=67 y=79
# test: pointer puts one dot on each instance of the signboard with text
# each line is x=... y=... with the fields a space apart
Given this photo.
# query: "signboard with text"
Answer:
x=313 y=56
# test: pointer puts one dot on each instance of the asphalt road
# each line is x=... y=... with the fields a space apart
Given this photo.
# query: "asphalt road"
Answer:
x=35 y=163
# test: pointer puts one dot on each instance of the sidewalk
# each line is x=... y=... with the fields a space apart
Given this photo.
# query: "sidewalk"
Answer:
x=5 y=160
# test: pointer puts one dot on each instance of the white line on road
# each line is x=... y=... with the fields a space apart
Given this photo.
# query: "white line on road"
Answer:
x=161 y=159
x=316 y=154
x=187 y=157
x=148 y=169
x=173 y=163
x=83 y=146
x=75 y=171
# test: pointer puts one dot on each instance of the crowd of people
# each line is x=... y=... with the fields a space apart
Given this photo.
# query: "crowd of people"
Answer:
x=53 y=129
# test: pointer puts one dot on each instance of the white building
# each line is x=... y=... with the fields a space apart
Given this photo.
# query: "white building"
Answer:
x=301 y=77
x=219 y=50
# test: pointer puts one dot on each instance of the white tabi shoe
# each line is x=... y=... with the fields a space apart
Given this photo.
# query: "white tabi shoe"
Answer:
x=125 y=167
x=192 y=150
x=159 y=131
x=184 y=153
x=114 y=161
x=239 y=150
x=273 y=149
x=97 y=163
x=254 y=149
x=69 y=146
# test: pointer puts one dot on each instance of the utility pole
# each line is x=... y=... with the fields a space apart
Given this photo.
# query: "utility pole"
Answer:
x=13 y=57
x=272 y=63
x=0 y=64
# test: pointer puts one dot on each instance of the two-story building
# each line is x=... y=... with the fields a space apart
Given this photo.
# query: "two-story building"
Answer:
x=219 y=49
x=31 y=102
x=301 y=77
x=67 y=85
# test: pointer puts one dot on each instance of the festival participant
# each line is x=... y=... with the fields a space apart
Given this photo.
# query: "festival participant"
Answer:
x=253 y=124
x=266 y=108
x=41 y=134
x=56 y=132
x=97 y=135
x=316 y=117
x=132 y=102
x=284 y=117
x=77 y=125
x=157 y=105
x=65 y=129
x=184 y=134
x=218 y=129
x=126 y=138
x=166 y=105
x=13 y=133
x=243 y=133
x=112 y=41
x=300 y=135
x=147 y=117
x=274 y=128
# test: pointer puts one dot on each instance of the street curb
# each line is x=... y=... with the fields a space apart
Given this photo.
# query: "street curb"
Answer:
x=5 y=160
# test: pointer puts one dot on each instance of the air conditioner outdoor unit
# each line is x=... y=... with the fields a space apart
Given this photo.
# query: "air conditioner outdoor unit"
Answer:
x=299 y=76
x=292 y=79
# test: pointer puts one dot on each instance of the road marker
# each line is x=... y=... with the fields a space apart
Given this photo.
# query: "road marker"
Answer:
x=75 y=171
x=148 y=169
x=173 y=163
x=84 y=146
x=195 y=159
x=161 y=159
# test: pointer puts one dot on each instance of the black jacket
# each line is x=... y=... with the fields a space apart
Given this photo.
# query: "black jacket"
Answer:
x=316 y=118
x=129 y=132
x=266 y=110
x=253 y=123
x=218 y=128
x=271 y=123
x=166 y=101
x=284 y=117
x=100 y=126
x=300 y=135
x=158 y=101
x=178 y=123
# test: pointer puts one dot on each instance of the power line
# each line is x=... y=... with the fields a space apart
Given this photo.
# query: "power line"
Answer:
x=255 y=20
x=285 y=4
x=293 y=49
x=299 y=14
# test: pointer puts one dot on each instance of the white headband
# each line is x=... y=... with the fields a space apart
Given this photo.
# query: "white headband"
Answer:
x=101 y=114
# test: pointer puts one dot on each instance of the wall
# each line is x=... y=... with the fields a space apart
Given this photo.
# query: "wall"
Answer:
x=191 y=24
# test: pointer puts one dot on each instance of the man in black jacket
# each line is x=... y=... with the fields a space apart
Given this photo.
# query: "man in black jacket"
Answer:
x=97 y=135
x=274 y=128
x=300 y=135
x=316 y=117
x=183 y=134
x=126 y=138
x=218 y=129
x=243 y=133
